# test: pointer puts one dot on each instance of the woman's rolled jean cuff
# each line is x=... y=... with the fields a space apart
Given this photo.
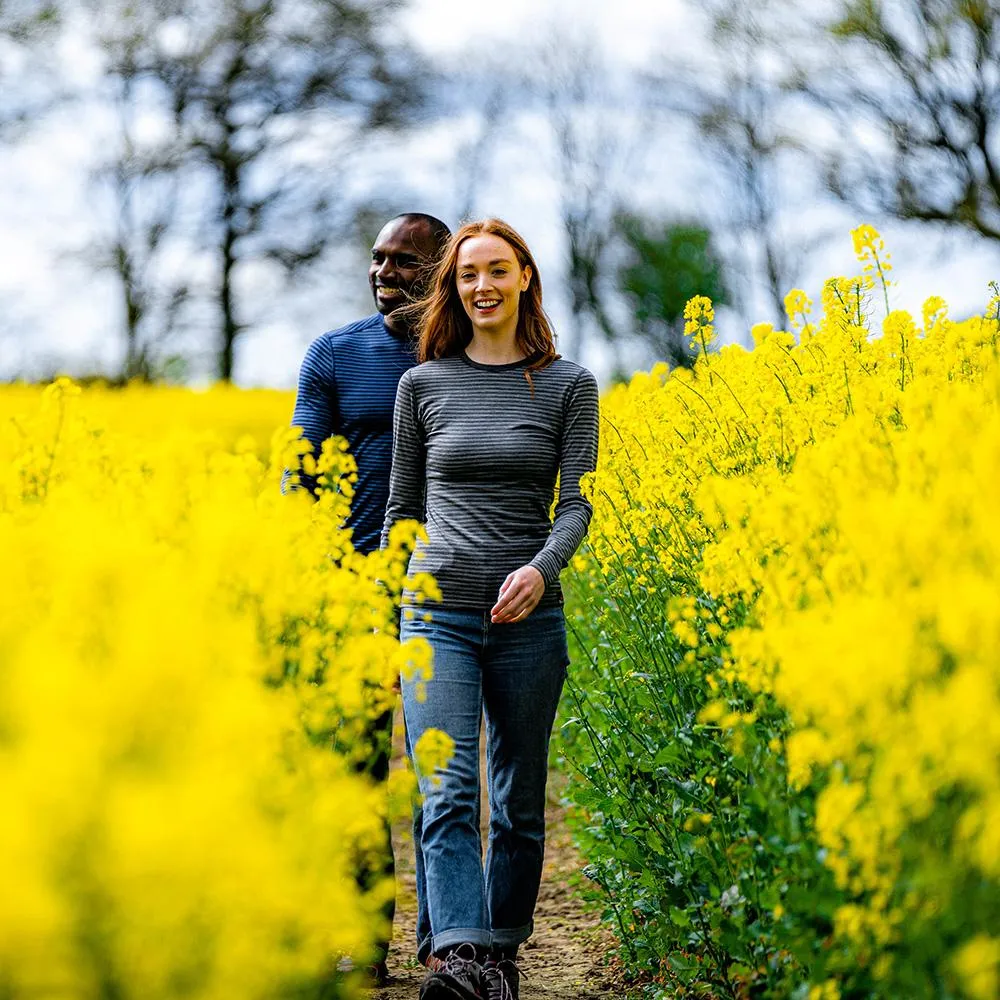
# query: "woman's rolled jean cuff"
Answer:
x=448 y=939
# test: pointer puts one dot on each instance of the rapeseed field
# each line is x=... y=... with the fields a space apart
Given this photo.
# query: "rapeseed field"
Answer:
x=782 y=722
x=788 y=720
x=188 y=662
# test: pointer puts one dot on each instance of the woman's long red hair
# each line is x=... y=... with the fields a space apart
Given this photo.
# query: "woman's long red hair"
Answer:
x=444 y=326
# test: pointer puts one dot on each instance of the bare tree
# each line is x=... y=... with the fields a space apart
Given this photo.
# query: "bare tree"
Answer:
x=256 y=87
x=560 y=98
x=744 y=133
x=591 y=122
x=736 y=99
x=234 y=122
x=138 y=183
x=598 y=150
x=914 y=88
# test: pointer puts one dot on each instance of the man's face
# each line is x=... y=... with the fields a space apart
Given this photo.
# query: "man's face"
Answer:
x=400 y=256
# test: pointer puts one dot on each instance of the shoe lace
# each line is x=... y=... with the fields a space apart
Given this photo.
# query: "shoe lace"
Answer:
x=460 y=960
x=500 y=975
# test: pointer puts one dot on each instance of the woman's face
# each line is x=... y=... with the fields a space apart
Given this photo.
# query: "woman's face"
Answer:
x=490 y=282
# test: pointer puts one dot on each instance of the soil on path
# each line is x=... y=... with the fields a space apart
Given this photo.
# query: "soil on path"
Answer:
x=563 y=960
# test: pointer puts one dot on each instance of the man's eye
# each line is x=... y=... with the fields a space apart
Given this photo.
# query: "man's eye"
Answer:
x=376 y=256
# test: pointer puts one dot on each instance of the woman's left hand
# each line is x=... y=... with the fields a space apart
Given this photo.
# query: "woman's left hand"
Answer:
x=519 y=595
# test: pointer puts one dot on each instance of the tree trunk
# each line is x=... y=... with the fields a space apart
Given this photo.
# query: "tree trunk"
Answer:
x=132 y=366
x=230 y=330
x=774 y=281
x=134 y=362
x=227 y=250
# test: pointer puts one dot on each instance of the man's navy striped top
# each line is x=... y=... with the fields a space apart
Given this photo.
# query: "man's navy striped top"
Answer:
x=347 y=386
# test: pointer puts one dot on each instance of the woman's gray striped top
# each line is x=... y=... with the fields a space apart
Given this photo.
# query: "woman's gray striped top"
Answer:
x=475 y=457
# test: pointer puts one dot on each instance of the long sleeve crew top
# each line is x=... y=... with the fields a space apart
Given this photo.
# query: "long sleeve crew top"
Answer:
x=475 y=458
x=347 y=386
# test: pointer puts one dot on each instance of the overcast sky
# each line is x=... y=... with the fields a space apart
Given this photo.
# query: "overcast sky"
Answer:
x=58 y=314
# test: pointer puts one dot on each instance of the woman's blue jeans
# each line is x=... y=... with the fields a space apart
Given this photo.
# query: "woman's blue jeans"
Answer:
x=514 y=672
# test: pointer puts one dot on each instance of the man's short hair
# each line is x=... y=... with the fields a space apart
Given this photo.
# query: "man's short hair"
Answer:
x=440 y=233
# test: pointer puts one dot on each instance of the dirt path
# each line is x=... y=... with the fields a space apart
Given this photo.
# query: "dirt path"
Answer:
x=563 y=960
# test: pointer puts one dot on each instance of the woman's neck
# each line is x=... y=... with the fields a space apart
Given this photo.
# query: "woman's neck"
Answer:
x=499 y=348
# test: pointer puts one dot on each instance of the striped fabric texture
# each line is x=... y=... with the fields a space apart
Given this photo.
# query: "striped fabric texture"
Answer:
x=347 y=386
x=476 y=454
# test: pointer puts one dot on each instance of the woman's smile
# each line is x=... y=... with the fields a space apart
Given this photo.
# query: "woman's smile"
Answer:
x=486 y=305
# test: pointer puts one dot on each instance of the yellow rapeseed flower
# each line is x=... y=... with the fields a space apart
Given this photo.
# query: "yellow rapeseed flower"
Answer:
x=189 y=663
x=840 y=484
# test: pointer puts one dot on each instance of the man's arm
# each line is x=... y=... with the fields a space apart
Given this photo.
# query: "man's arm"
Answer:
x=315 y=405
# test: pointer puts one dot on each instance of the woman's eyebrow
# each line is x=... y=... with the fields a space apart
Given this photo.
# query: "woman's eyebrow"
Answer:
x=492 y=263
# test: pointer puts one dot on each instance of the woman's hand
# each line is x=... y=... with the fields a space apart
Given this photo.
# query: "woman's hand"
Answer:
x=519 y=595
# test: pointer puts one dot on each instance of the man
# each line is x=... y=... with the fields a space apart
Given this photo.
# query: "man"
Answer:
x=347 y=386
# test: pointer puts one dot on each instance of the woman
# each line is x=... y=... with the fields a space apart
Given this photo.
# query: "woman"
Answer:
x=481 y=429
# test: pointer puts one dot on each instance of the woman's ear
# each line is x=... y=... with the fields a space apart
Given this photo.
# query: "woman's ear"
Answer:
x=525 y=277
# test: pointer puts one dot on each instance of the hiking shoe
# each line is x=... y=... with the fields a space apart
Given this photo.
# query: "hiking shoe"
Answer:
x=378 y=974
x=373 y=976
x=459 y=976
x=503 y=980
